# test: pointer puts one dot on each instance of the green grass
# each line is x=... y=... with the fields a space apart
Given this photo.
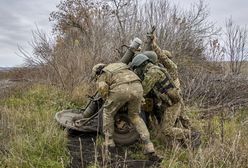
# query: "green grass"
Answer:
x=229 y=152
x=35 y=139
x=30 y=136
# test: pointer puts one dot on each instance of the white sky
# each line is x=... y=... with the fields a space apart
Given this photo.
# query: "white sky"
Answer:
x=220 y=10
x=17 y=20
x=19 y=17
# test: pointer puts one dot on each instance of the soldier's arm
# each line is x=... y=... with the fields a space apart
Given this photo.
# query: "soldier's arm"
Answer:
x=163 y=58
x=151 y=78
x=158 y=50
x=102 y=85
x=166 y=61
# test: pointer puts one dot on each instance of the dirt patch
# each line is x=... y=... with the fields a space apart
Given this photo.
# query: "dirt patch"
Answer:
x=82 y=147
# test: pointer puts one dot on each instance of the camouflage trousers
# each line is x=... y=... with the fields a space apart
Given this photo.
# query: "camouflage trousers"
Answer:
x=169 y=120
x=132 y=95
x=183 y=117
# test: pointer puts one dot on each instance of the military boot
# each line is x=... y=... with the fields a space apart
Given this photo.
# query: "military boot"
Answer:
x=150 y=152
x=111 y=143
x=154 y=157
x=149 y=148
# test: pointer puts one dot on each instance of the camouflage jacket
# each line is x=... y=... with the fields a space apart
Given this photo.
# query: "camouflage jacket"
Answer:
x=167 y=63
x=113 y=75
x=158 y=80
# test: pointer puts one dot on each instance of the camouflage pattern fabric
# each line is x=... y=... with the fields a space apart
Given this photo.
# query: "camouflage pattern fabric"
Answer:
x=172 y=69
x=169 y=120
x=124 y=88
x=167 y=63
x=113 y=75
x=153 y=75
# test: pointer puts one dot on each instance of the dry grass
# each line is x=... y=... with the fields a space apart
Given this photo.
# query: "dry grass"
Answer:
x=31 y=138
x=223 y=144
x=244 y=69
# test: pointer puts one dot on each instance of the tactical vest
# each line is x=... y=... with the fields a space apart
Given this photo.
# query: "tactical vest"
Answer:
x=167 y=83
x=163 y=86
x=119 y=73
x=176 y=80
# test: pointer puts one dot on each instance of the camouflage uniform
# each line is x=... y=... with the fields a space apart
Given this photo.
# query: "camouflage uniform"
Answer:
x=158 y=80
x=164 y=58
x=119 y=86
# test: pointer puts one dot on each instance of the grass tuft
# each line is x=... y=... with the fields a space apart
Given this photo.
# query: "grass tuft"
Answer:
x=35 y=139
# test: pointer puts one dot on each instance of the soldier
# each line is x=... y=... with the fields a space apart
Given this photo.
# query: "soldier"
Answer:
x=119 y=86
x=171 y=67
x=158 y=80
x=164 y=57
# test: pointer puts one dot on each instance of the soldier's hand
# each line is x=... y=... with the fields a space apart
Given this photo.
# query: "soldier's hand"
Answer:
x=153 y=38
x=150 y=35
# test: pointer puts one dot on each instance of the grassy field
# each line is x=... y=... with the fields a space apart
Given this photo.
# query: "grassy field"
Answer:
x=226 y=65
x=224 y=144
x=30 y=137
x=245 y=68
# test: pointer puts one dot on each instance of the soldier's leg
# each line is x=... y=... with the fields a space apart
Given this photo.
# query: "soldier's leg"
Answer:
x=183 y=118
x=157 y=110
x=111 y=106
x=134 y=105
x=169 y=119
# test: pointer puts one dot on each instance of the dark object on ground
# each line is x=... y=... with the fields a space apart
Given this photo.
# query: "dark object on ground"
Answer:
x=153 y=157
x=81 y=148
x=125 y=133
x=84 y=152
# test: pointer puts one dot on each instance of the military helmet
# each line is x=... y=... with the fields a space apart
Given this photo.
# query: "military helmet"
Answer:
x=138 y=60
x=167 y=53
x=97 y=69
x=152 y=56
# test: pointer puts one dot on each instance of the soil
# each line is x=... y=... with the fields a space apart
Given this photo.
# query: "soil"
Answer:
x=83 y=153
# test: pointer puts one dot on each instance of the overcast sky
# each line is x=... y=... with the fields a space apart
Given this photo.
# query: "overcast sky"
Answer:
x=19 y=17
x=17 y=20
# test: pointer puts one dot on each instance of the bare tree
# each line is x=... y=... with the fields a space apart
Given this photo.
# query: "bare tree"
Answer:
x=236 y=46
x=215 y=51
x=91 y=31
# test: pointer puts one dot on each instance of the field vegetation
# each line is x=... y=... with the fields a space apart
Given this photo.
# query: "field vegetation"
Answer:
x=29 y=135
x=57 y=76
